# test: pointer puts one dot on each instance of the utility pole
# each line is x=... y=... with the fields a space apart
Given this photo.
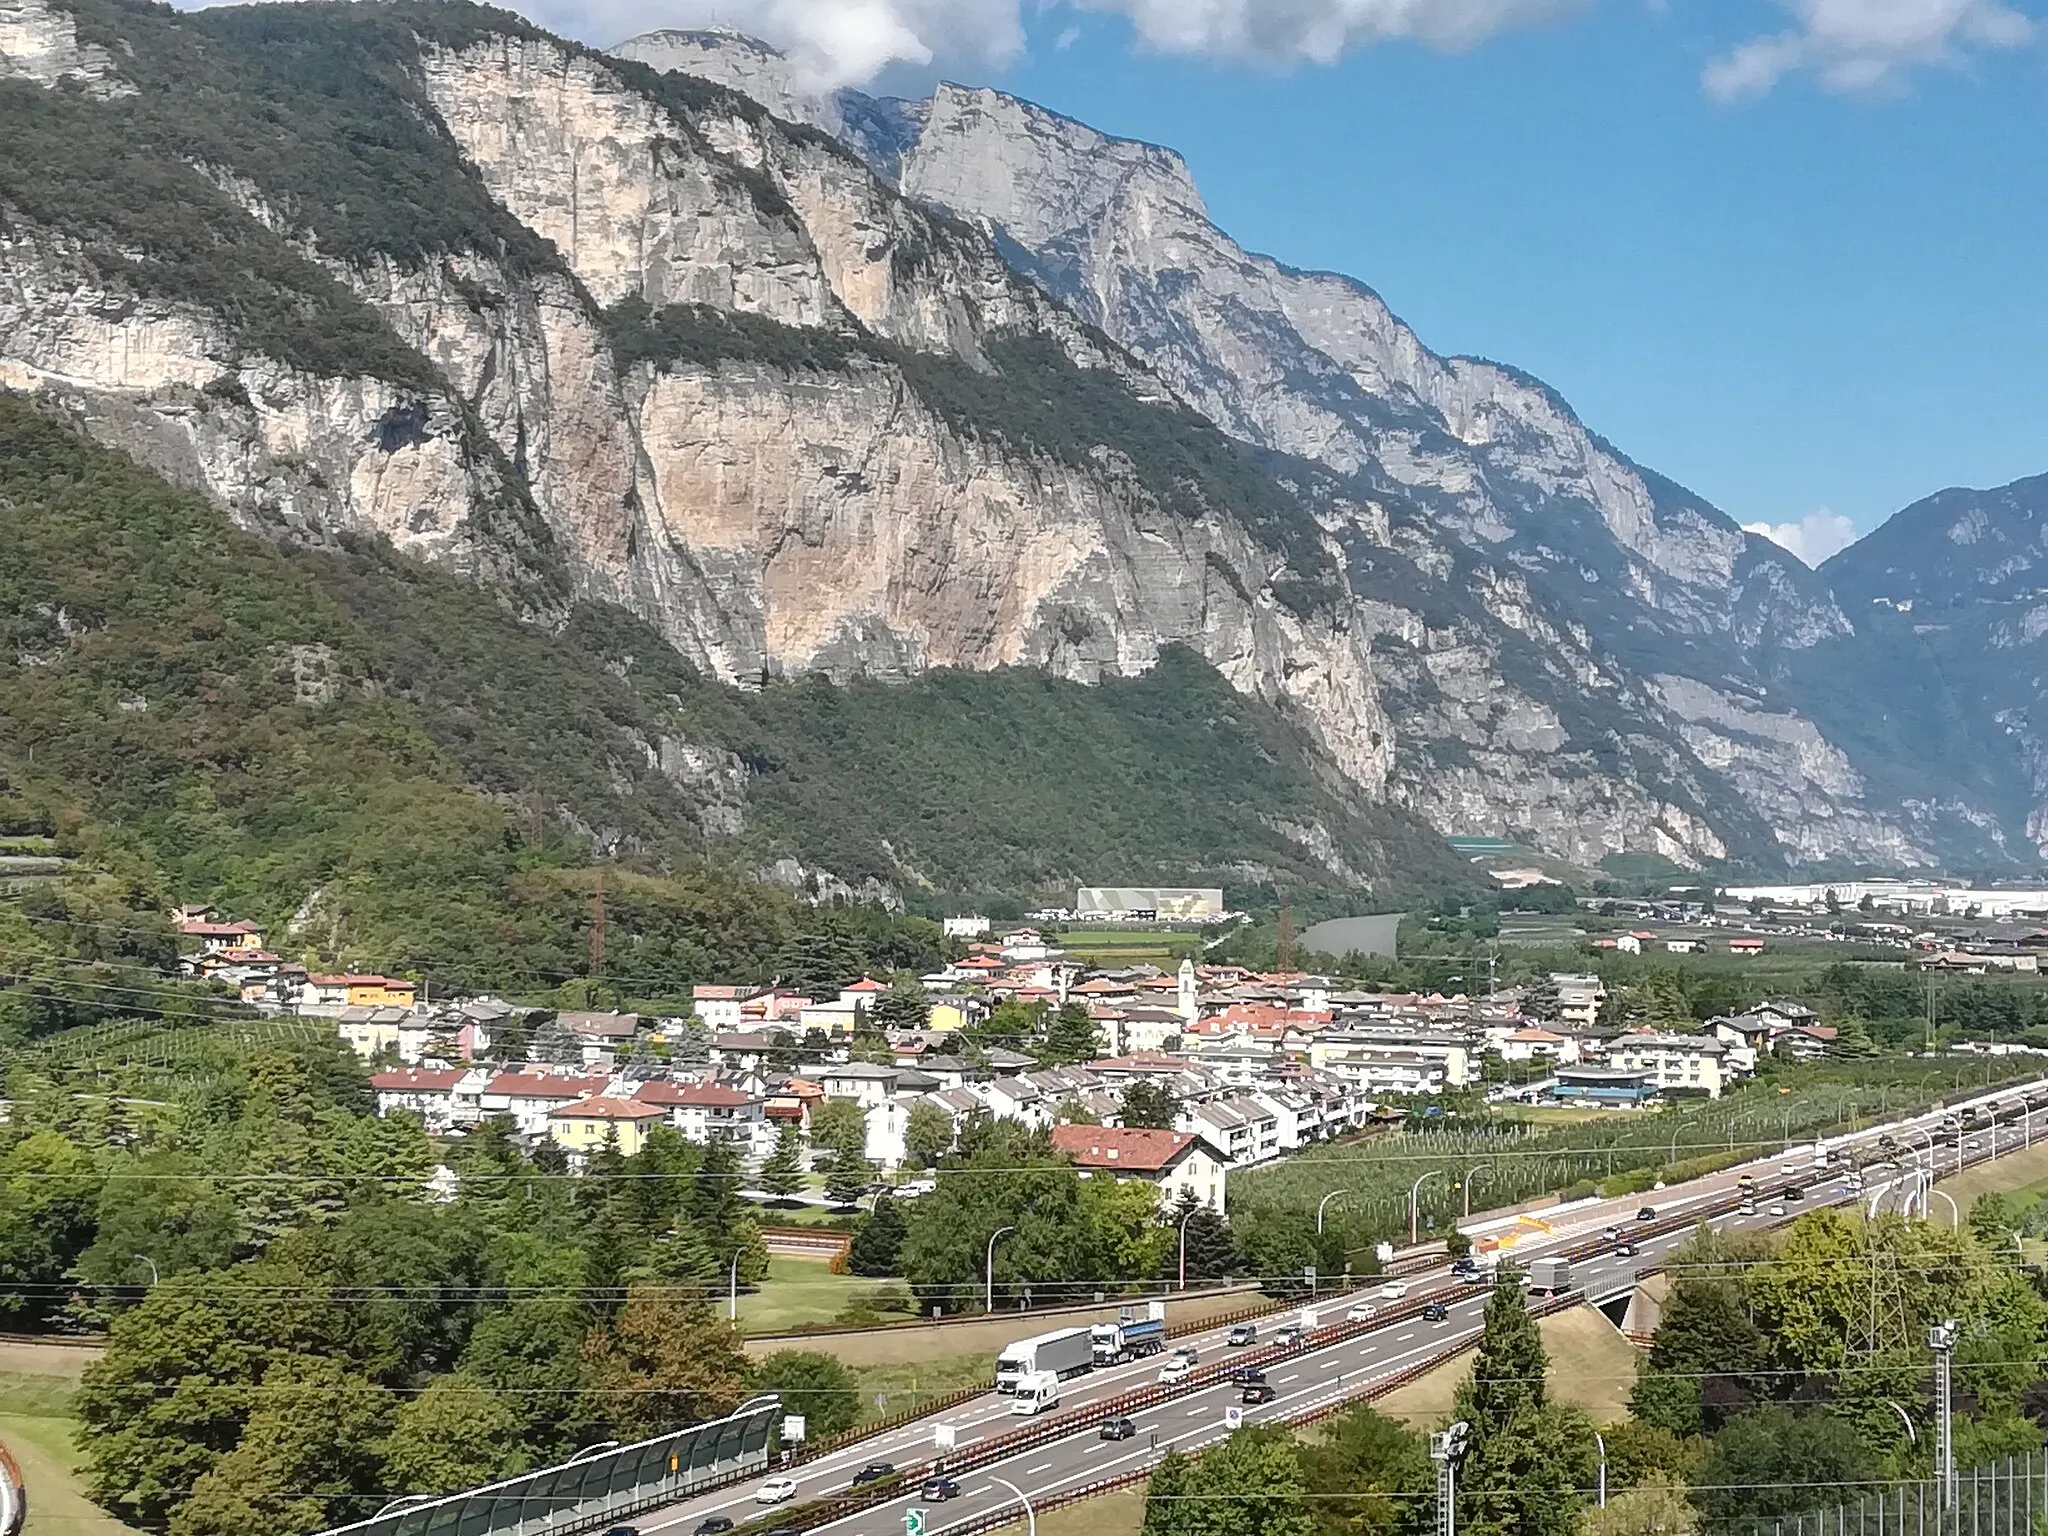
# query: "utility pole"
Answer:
x=597 y=928
x=1283 y=940
x=1446 y=1446
x=1941 y=1338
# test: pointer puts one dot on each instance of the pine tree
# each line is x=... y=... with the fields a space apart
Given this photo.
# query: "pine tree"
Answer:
x=1070 y=1036
x=879 y=1240
x=1527 y=1457
x=1212 y=1251
x=847 y=1179
x=783 y=1174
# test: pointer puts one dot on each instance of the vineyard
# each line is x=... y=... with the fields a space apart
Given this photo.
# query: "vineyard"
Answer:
x=1507 y=1163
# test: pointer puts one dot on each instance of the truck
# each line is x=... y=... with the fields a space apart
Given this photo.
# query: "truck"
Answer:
x=1549 y=1277
x=1130 y=1337
x=1063 y=1352
x=1036 y=1391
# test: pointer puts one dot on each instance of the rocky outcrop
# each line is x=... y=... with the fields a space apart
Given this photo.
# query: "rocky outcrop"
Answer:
x=41 y=45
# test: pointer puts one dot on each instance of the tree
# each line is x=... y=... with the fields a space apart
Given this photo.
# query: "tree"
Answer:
x=927 y=1134
x=1768 y=1462
x=1250 y=1485
x=814 y=1385
x=1211 y=1250
x=1702 y=1360
x=1542 y=1001
x=308 y=1458
x=1528 y=1459
x=662 y=1365
x=1276 y=1247
x=1150 y=1105
x=905 y=1006
x=878 y=1242
x=1370 y=1475
x=839 y=1133
x=1070 y=1036
x=783 y=1174
x=1657 y=1510
x=457 y=1433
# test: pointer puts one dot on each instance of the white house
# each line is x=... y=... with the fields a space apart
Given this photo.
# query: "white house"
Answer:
x=1675 y=1063
x=530 y=1097
x=429 y=1094
x=1171 y=1161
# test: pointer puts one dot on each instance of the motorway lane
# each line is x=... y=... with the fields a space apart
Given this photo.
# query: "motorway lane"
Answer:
x=1197 y=1418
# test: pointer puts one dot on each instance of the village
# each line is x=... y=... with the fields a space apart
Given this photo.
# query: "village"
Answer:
x=1234 y=1068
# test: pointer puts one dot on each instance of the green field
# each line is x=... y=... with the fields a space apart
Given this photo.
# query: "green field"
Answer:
x=38 y=1427
x=1131 y=946
x=804 y=1293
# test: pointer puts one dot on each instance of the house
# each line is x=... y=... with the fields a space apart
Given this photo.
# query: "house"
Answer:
x=1682 y=946
x=428 y=1094
x=705 y=1112
x=1608 y=1086
x=791 y=1103
x=722 y=1008
x=588 y=1124
x=353 y=991
x=1677 y=1064
x=1579 y=997
x=214 y=936
x=1173 y=1162
x=530 y=1097
x=951 y=1015
x=964 y=927
x=866 y=1083
x=1744 y=944
x=1783 y=1013
x=1245 y=1130
x=1534 y=1044
x=742 y=1052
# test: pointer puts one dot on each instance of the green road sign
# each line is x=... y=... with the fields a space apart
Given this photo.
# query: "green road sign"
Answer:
x=913 y=1522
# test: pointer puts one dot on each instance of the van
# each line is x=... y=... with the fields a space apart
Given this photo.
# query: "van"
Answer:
x=1036 y=1392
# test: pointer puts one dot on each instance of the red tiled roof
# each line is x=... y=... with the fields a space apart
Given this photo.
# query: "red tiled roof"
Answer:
x=866 y=984
x=604 y=1107
x=412 y=1079
x=1101 y=1146
x=542 y=1085
x=691 y=1093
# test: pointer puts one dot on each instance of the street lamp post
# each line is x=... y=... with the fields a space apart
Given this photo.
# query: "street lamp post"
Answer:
x=1333 y=1194
x=1600 y=1443
x=1414 y=1208
x=1941 y=1338
x=1466 y=1183
x=1955 y=1218
x=153 y=1276
x=988 y=1272
x=1911 y=1437
x=1030 y=1519
x=732 y=1304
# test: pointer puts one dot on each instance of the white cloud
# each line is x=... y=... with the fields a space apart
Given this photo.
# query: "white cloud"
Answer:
x=849 y=42
x=1813 y=538
x=1859 y=45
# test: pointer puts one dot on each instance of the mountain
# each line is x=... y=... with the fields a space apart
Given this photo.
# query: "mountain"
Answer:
x=1642 y=634
x=950 y=505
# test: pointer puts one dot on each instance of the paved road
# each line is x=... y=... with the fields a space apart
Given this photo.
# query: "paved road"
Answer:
x=1338 y=1371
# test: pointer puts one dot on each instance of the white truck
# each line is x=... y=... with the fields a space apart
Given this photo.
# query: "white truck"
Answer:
x=1035 y=1392
x=1550 y=1277
x=1063 y=1352
x=1130 y=1337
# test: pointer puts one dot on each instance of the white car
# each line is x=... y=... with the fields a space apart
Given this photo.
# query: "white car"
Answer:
x=1361 y=1312
x=1393 y=1290
x=1777 y=1210
x=1176 y=1369
x=777 y=1490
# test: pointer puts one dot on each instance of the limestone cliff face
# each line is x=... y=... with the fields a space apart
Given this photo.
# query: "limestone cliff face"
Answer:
x=1621 y=577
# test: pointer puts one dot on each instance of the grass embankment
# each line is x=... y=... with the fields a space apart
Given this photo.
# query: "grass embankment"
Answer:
x=1591 y=1365
x=2024 y=1172
x=804 y=1293
x=38 y=1426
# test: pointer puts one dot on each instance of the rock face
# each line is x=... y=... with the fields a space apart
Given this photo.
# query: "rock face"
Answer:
x=749 y=381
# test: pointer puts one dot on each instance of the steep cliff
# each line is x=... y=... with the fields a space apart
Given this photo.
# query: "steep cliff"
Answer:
x=1614 y=631
x=589 y=334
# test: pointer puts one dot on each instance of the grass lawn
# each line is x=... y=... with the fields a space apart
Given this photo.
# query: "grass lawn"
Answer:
x=2010 y=1173
x=1128 y=946
x=1558 y=1114
x=903 y=1385
x=1591 y=1365
x=36 y=1423
x=1114 y=1514
x=802 y=1293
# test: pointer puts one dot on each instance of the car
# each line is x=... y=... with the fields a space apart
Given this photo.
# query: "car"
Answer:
x=1290 y=1333
x=777 y=1490
x=1435 y=1312
x=1626 y=1250
x=1647 y=1213
x=1465 y=1266
x=1361 y=1312
x=623 y=1530
x=1475 y=1276
x=1247 y=1376
x=1241 y=1335
x=1611 y=1234
x=1179 y=1368
x=1393 y=1290
x=713 y=1525
x=1256 y=1392
x=874 y=1472
x=1792 y=1192
x=1187 y=1352
x=940 y=1489
x=1787 y=1168
x=1971 y=1145
x=1777 y=1210
x=1116 y=1429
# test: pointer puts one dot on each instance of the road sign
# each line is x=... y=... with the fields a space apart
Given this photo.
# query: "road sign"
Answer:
x=945 y=1436
x=1233 y=1417
x=913 y=1522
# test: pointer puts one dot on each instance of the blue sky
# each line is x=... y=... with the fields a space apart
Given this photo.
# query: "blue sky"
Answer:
x=1788 y=252
x=1792 y=302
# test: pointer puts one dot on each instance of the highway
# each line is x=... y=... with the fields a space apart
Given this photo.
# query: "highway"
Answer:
x=1326 y=1373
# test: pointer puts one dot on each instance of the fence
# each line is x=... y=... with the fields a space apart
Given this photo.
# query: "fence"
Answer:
x=2003 y=1499
x=594 y=1490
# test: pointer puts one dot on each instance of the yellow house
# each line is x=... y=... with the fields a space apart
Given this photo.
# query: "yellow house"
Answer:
x=949 y=1016
x=380 y=992
x=588 y=1124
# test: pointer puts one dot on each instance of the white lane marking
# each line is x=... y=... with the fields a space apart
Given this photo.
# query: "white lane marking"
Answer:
x=1034 y=1471
x=1283 y=1380
x=1403 y=1338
